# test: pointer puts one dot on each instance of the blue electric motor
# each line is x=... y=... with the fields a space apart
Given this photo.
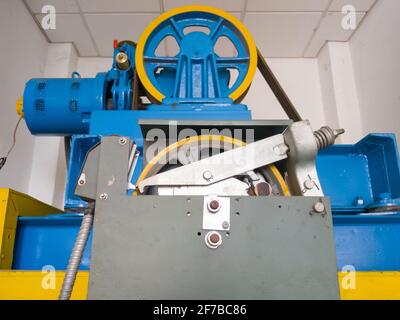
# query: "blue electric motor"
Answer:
x=63 y=106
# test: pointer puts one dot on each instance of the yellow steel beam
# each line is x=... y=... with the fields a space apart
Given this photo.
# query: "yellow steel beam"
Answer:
x=37 y=285
x=370 y=285
x=12 y=205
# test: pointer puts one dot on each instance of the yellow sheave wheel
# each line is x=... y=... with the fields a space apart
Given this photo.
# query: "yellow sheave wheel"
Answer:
x=154 y=93
x=148 y=170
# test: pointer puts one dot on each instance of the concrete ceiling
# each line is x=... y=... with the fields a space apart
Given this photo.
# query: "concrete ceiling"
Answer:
x=281 y=28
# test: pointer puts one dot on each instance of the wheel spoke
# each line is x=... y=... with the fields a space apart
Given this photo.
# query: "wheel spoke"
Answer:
x=177 y=30
x=216 y=29
x=161 y=60
x=231 y=62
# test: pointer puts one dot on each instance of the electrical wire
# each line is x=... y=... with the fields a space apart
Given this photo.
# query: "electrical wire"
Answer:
x=4 y=159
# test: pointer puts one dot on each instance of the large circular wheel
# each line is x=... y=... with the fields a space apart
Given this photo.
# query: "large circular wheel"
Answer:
x=195 y=46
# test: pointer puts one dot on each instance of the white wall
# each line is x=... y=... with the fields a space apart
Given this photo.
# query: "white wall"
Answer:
x=338 y=89
x=89 y=67
x=375 y=50
x=300 y=80
x=22 y=56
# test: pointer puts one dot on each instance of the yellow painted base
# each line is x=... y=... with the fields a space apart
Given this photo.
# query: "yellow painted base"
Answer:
x=35 y=285
x=371 y=286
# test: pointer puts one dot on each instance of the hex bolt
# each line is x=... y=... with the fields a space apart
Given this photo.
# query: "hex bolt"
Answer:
x=213 y=239
x=81 y=182
x=122 y=141
x=225 y=224
x=319 y=207
x=103 y=196
x=214 y=206
x=207 y=175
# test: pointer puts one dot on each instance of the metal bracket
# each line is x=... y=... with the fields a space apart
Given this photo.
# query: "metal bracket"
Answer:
x=89 y=180
x=216 y=213
x=300 y=165
x=86 y=187
x=223 y=165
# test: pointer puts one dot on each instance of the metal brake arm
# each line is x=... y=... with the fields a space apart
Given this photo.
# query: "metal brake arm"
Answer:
x=223 y=165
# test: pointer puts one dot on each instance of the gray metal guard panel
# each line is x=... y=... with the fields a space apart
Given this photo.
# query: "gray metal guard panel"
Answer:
x=148 y=247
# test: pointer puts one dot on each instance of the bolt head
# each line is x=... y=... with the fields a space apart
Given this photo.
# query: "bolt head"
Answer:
x=82 y=179
x=121 y=57
x=213 y=239
x=207 y=175
x=214 y=206
x=103 y=196
x=122 y=141
x=225 y=224
x=359 y=201
x=281 y=149
x=319 y=207
x=309 y=184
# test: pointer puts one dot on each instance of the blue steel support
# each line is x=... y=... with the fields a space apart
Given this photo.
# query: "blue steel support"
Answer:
x=363 y=176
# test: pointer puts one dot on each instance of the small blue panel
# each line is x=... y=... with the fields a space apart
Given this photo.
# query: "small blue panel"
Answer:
x=368 y=243
x=344 y=176
x=47 y=240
